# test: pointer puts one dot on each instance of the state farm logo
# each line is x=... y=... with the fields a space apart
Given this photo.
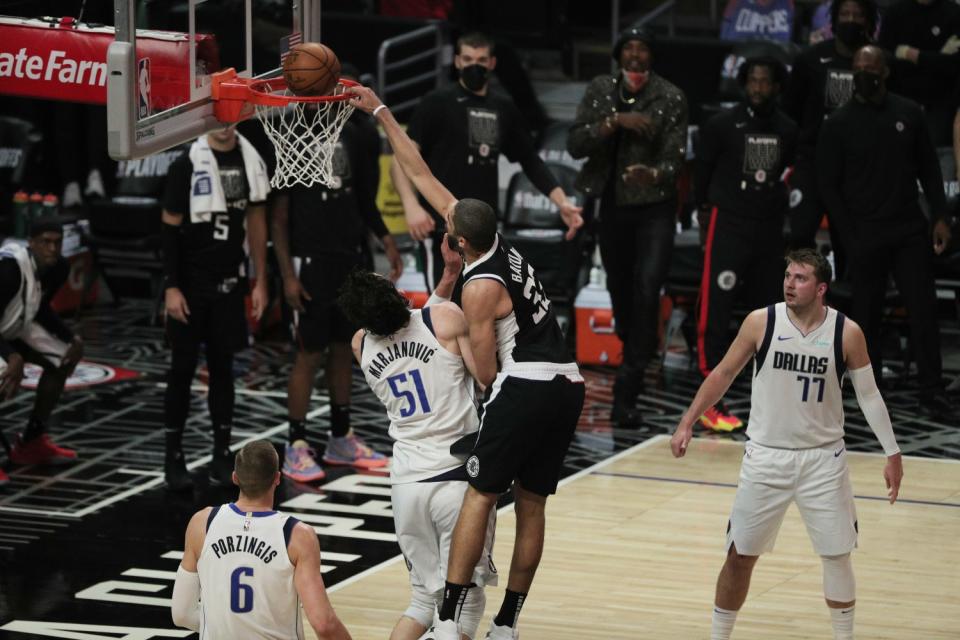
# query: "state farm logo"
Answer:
x=56 y=66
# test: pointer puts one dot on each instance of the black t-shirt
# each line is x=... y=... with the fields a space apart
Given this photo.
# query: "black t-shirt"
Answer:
x=461 y=136
x=741 y=159
x=821 y=82
x=333 y=220
x=211 y=245
x=869 y=159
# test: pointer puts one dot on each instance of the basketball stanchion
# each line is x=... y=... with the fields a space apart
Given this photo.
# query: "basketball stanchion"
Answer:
x=304 y=129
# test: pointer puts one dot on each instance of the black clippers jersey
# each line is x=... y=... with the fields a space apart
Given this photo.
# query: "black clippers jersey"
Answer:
x=530 y=333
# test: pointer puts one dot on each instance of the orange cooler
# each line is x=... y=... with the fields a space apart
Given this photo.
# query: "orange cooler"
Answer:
x=597 y=341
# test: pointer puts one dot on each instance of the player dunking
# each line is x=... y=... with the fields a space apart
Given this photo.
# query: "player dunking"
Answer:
x=246 y=569
x=416 y=362
x=801 y=350
x=535 y=388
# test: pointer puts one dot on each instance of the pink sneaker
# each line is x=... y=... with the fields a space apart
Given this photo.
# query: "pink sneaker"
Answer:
x=351 y=451
x=299 y=464
x=40 y=450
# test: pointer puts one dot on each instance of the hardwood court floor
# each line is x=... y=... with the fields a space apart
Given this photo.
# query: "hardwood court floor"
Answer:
x=635 y=543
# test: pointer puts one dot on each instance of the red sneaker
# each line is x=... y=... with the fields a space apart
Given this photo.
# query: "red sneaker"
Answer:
x=40 y=450
x=4 y=478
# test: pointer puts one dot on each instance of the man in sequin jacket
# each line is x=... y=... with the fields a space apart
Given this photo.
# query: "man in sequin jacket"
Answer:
x=632 y=128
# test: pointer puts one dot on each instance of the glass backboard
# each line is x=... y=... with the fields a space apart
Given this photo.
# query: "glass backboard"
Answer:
x=159 y=67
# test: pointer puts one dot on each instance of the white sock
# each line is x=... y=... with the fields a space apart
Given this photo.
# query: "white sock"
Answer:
x=723 y=620
x=842 y=620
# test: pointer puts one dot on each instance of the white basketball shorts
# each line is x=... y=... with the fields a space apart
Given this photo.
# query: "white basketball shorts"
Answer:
x=38 y=346
x=424 y=514
x=816 y=479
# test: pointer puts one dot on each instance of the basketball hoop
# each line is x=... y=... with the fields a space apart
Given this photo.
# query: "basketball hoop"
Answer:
x=303 y=129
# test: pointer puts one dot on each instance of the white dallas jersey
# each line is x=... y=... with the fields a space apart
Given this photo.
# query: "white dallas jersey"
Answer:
x=246 y=578
x=428 y=396
x=797 y=399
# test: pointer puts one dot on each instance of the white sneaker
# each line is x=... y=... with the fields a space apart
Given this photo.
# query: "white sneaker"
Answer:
x=502 y=633
x=446 y=630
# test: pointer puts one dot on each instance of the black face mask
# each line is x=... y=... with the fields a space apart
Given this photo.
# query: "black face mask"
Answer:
x=852 y=34
x=474 y=76
x=762 y=109
x=867 y=84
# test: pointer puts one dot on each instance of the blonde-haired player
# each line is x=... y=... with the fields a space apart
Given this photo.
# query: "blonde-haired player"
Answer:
x=802 y=350
x=246 y=568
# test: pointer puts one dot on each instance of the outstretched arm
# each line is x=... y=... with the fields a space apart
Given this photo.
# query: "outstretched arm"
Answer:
x=743 y=348
x=406 y=153
x=872 y=404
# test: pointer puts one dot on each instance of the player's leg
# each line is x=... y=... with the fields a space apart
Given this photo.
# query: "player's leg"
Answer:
x=444 y=508
x=311 y=330
x=764 y=491
x=825 y=502
x=299 y=463
x=184 y=353
x=419 y=543
x=33 y=445
x=729 y=244
x=560 y=402
x=225 y=333
x=345 y=447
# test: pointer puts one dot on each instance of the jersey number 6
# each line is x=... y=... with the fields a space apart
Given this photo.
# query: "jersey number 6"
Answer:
x=241 y=595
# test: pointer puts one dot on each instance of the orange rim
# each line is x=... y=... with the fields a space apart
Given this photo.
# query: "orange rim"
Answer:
x=263 y=92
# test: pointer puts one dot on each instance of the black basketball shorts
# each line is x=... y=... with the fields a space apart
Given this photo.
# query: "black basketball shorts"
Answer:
x=218 y=320
x=322 y=322
x=526 y=429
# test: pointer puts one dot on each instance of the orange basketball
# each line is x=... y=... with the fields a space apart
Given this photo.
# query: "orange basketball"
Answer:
x=311 y=69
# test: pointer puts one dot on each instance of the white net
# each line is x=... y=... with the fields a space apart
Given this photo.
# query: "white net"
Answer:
x=304 y=135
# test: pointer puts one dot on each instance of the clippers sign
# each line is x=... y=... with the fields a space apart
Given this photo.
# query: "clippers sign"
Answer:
x=65 y=61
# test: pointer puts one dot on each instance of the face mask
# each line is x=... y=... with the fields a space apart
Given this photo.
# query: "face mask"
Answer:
x=852 y=34
x=636 y=80
x=763 y=108
x=867 y=84
x=474 y=76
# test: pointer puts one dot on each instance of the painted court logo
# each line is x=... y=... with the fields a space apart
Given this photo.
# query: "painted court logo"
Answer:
x=473 y=466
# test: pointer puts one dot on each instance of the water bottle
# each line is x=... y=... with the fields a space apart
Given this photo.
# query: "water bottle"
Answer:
x=36 y=206
x=51 y=204
x=21 y=209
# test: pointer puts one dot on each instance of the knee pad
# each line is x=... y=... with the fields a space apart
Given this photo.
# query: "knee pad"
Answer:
x=839 y=583
x=422 y=607
x=472 y=611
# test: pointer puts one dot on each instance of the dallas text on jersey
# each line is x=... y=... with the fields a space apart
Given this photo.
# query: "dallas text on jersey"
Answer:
x=800 y=363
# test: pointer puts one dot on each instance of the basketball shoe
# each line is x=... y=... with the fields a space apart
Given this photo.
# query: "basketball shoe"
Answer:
x=351 y=451
x=446 y=630
x=221 y=467
x=504 y=632
x=175 y=472
x=299 y=463
x=718 y=418
x=4 y=478
x=40 y=450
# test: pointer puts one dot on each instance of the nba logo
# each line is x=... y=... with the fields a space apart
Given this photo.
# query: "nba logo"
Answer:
x=143 y=88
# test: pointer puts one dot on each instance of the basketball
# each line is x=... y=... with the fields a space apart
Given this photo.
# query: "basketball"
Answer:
x=311 y=69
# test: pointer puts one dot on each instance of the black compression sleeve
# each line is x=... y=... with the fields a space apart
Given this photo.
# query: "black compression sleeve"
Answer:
x=170 y=245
